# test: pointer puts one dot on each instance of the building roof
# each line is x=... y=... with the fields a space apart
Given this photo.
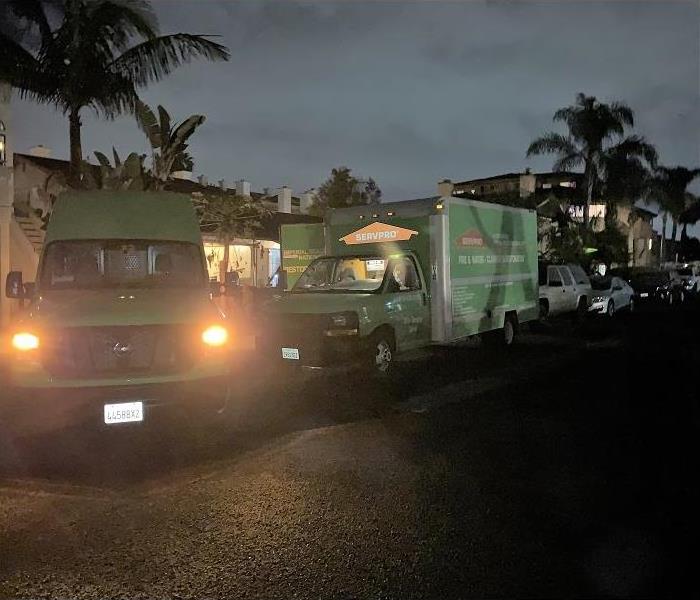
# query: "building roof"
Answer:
x=182 y=186
x=514 y=175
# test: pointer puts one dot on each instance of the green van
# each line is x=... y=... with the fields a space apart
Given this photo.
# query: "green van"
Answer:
x=121 y=322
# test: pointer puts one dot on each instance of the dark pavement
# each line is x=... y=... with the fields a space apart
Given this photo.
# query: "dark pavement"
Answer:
x=567 y=467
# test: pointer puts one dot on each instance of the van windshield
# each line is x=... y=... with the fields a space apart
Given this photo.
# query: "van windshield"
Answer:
x=121 y=263
x=343 y=274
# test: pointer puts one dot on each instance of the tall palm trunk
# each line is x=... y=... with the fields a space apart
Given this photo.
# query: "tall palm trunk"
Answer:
x=76 y=149
x=590 y=181
x=662 y=246
x=674 y=230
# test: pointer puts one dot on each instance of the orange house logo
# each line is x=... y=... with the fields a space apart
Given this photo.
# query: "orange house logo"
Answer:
x=376 y=233
x=471 y=238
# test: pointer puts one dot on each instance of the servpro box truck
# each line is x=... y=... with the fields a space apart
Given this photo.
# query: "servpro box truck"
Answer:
x=120 y=324
x=373 y=282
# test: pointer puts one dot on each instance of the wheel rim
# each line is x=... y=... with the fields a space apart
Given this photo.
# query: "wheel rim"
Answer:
x=631 y=304
x=611 y=308
x=682 y=296
x=508 y=333
x=383 y=356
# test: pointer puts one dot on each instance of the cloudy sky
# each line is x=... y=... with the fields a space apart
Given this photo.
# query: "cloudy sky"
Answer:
x=407 y=92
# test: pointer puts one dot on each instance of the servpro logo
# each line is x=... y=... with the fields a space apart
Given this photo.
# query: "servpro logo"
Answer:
x=376 y=233
x=471 y=238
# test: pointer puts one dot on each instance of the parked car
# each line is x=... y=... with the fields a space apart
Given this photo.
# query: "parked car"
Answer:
x=690 y=278
x=660 y=287
x=611 y=294
x=563 y=289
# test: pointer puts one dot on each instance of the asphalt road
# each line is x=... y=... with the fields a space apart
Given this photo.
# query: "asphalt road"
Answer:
x=566 y=467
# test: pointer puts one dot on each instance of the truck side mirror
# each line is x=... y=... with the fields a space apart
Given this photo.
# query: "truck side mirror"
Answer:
x=14 y=287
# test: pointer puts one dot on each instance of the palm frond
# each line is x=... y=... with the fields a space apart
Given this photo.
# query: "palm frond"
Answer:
x=32 y=11
x=622 y=113
x=552 y=143
x=568 y=162
x=155 y=58
x=164 y=117
x=634 y=146
x=148 y=123
x=115 y=22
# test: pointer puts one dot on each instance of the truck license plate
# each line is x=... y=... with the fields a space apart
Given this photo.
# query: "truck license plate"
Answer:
x=290 y=353
x=125 y=412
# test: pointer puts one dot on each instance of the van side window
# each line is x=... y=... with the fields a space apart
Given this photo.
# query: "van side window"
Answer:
x=404 y=276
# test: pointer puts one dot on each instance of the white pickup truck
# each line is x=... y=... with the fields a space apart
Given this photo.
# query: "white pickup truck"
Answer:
x=563 y=289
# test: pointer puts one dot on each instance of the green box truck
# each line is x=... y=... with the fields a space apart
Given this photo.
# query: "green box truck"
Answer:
x=120 y=323
x=400 y=276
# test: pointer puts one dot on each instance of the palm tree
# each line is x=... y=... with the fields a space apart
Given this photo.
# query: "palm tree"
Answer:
x=168 y=141
x=596 y=132
x=228 y=216
x=97 y=55
x=669 y=187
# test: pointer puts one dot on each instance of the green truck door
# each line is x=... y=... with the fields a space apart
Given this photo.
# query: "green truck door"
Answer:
x=406 y=303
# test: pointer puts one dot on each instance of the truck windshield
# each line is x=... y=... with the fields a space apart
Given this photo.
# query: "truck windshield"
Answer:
x=346 y=274
x=121 y=263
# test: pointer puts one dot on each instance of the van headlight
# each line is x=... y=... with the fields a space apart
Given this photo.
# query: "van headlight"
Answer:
x=25 y=341
x=598 y=299
x=215 y=336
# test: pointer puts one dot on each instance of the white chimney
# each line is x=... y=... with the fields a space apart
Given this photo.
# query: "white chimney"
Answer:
x=222 y=184
x=40 y=151
x=445 y=188
x=284 y=200
x=307 y=200
x=202 y=180
x=243 y=187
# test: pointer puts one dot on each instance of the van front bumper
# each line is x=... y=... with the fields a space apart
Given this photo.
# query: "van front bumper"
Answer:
x=29 y=411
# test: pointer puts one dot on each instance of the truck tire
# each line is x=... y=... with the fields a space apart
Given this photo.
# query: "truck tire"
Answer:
x=504 y=337
x=380 y=353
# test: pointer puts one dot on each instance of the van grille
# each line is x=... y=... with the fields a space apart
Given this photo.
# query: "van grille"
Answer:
x=125 y=350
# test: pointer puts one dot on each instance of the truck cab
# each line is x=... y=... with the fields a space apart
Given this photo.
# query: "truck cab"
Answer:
x=383 y=308
x=120 y=323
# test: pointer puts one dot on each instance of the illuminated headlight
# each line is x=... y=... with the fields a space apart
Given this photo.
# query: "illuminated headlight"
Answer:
x=689 y=285
x=599 y=299
x=216 y=335
x=25 y=341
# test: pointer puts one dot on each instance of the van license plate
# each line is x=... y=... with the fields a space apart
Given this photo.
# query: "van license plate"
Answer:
x=125 y=412
x=290 y=353
x=644 y=295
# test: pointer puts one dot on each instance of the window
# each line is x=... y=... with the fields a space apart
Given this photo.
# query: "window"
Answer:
x=121 y=263
x=579 y=275
x=404 y=276
x=553 y=276
x=343 y=275
x=566 y=276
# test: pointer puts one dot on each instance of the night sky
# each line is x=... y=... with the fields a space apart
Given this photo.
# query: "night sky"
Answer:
x=406 y=92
